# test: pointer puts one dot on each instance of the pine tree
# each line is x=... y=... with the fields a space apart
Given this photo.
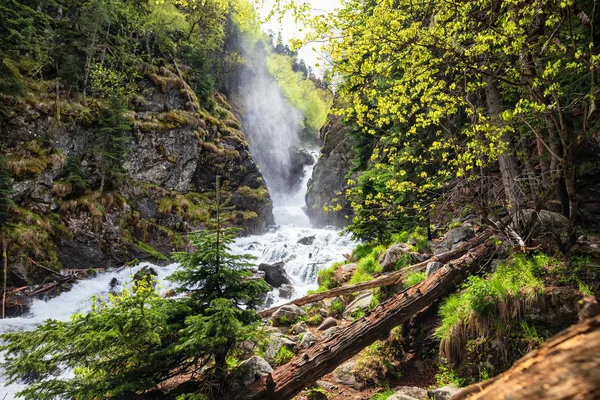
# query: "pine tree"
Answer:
x=211 y=271
x=111 y=142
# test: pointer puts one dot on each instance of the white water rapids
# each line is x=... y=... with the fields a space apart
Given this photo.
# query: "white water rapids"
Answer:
x=302 y=263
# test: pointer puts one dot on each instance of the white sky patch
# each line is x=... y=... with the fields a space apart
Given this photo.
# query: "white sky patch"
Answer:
x=289 y=30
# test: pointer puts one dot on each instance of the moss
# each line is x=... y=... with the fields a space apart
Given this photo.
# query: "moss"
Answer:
x=31 y=159
x=193 y=207
x=163 y=152
x=164 y=82
x=375 y=364
x=260 y=194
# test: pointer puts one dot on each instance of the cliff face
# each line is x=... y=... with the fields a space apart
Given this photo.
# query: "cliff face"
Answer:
x=328 y=181
x=175 y=152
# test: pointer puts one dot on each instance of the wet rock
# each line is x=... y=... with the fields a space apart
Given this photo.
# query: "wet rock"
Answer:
x=457 y=235
x=443 y=393
x=249 y=371
x=408 y=393
x=275 y=274
x=300 y=327
x=299 y=158
x=145 y=274
x=307 y=241
x=276 y=341
x=433 y=267
x=308 y=340
x=344 y=375
x=287 y=314
x=328 y=323
x=329 y=176
x=393 y=254
x=286 y=291
x=362 y=300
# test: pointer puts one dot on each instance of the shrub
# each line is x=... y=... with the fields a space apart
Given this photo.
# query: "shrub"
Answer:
x=447 y=377
x=283 y=356
x=337 y=307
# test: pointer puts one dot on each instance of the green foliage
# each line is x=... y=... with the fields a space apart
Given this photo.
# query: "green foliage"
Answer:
x=283 y=356
x=212 y=271
x=358 y=313
x=362 y=250
x=483 y=295
x=336 y=307
x=376 y=363
x=326 y=278
x=412 y=278
x=447 y=377
x=111 y=143
x=314 y=320
x=383 y=395
x=123 y=345
x=5 y=191
x=314 y=103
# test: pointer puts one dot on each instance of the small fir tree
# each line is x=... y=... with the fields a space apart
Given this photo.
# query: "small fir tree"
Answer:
x=111 y=142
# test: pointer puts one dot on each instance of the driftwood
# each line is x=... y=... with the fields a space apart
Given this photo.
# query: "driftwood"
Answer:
x=567 y=366
x=386 y=279
x=46 y=287
x=308 y=366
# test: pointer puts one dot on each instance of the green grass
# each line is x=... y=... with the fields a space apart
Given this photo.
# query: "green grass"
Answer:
x=326 y=278
x=412 y=278
x=483 y=295
x=337 y=307
x=387 y=392
x=362 y=250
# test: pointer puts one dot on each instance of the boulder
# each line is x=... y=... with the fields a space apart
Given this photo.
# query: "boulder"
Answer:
x=330 y=332
x=393 y=254
x=147 y=274
x=344 y=375
x=275 y=274
x=443 y=393
x=308 y=339
x=328 y=323
x=299 y=328
x=408 y=393
x=307 y=241
x=249 y=371
x=287 y=314
x=543 y=223
x=432 y=267
x=276 y=341
x=286 y=291
x=457 y=235
x=346 y=271
x=362 y=300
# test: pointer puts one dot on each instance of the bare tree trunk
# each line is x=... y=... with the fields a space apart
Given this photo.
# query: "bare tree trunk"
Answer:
x=384 y=280
x=508 y=165
x=567 y=366
x=306 y=367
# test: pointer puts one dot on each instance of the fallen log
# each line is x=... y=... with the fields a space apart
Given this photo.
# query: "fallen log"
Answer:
x=45 y=288
x=306 y=367
x=384 y=280
x=567 y=366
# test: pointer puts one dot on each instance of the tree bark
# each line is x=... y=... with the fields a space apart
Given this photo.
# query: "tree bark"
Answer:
x=567 y=366
x=5 y=261
x=508 y=165
x=306 y=367
x=384 y=280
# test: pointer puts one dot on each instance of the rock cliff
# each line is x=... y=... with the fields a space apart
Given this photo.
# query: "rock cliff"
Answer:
x=328 y=181
x=176 y=149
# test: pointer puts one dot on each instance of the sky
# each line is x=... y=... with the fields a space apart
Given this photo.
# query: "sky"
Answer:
x=289 y=30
